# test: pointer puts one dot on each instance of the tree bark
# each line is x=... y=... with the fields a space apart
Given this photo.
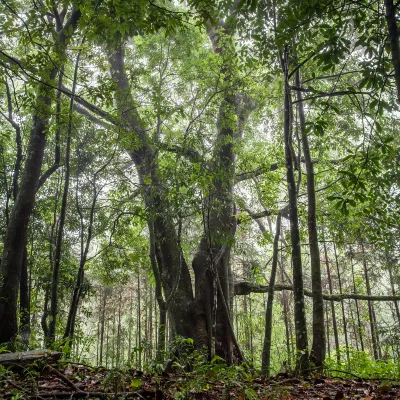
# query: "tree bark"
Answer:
x=318 y=344
x=299 y=307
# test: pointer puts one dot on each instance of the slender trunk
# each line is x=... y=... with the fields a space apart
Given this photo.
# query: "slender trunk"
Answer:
x=24 y=301
x=393 y=33
x=328 y=341
x=334 y=323
x=342 y=306
x=139 y=325
x=63 y=213
x=107 y=341
x=371 y=311
x=360 y=331
x=158 y=293
x=390 y=269
x=16 y=234
x=355 y=327
x=119 y=331
x=302 y=363
x=318 y=345
x=130 y=329
x=150 y=336
x=285 y=305
x=266 y=354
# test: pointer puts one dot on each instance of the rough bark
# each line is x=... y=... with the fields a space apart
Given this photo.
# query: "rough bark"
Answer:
x=318 y=344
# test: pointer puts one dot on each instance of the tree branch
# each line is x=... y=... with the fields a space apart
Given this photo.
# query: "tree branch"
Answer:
x=244 y=288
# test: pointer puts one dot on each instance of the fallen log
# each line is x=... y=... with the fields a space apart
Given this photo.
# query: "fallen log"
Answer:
x=29 y=357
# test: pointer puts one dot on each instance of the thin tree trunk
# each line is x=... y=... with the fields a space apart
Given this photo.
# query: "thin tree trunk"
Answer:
x=328 y=341
x=390 y=269
x=302 y=363
x=334 y=323
x=318 y=345
x=63 y=213
x=285 y=305
x=356 y=302
x=371 y=311
x=266 y=353
x=24 y=301
x=15 y=237
x=342 y=305
x=119 y=330
x=139 y=325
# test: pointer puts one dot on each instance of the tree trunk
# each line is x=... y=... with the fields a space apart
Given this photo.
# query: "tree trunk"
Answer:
x=360 y=331
x=302 y=363
x=390 y=269
x=393 y=33
x=334 y=323
x=318 y=345
x=342 y=305
x=170 y=262
x=371 y=311
x=266 y=354
x=16 y=234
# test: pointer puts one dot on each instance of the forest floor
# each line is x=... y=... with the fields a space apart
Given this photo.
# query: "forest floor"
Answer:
x=73 y=381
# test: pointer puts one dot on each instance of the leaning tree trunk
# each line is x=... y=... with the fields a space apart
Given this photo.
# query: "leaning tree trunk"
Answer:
x=298 y=290
x=16 y=234
x=318 y=345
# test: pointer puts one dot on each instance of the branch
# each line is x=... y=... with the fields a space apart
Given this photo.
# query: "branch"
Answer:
x=191 y=154
x=326 y=94
x=46 y=175
x=245 y=288
x=243 y=176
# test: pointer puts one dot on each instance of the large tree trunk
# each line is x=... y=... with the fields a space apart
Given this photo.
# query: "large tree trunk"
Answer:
x=318 y=345
x=298 y=289
x=16 y=233
x=173 y=270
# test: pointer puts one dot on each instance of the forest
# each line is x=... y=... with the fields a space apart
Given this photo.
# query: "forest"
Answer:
x=199 y=199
